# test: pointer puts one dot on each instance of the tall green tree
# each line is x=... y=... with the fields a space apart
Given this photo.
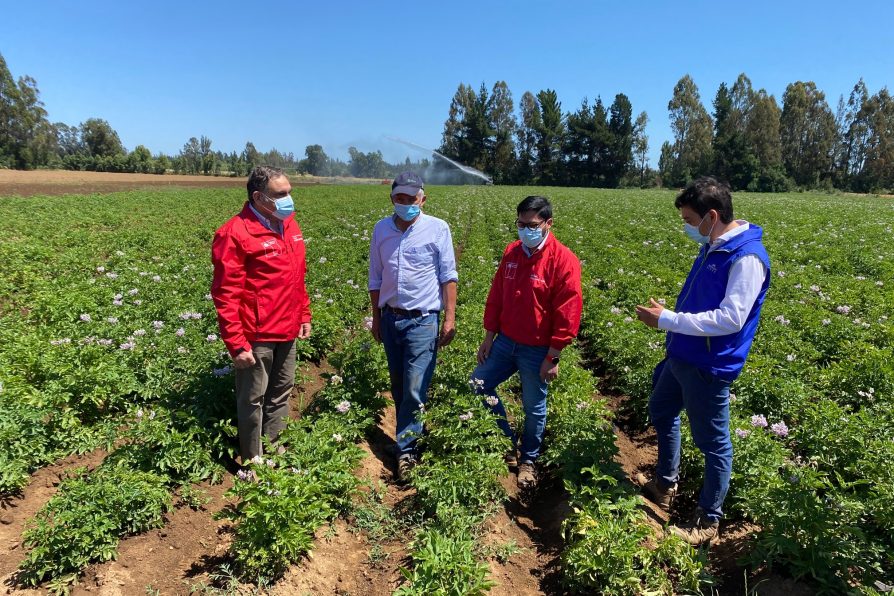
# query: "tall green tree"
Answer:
x=501 y=120
x=853 y=135
x=620 y=154
x=877 y=173
x=100 y=139
x=190 y=156
x=762 y=138
x=641 y=147
x=549 y=137
x=690 y=154
x=807 y=133
x=734 y=161
x=316 y=160
x=529 y=112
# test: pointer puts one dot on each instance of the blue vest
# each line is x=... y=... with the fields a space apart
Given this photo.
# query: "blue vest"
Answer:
x=704 y=290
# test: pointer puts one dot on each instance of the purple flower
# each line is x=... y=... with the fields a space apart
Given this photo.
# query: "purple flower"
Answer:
x=139 y=333
x=246 y=475
x=100 y=269
x=181 y=332
x=157 y=324
x=368 y=322
x=156 y=278
x=133 y=292
x=343 y=406
x=112 y=275
x=211 y=337
x=759 y=421
x=465 y=417
x=104 y=342
x=118 y=302
x=843 y=309
x=779 y=429
x=137 y=302
x=337 y=438
x=128 y=345
x=742 y=433
x=86 y=318
x=336 y=380
x=492 y=401
x=222 y=372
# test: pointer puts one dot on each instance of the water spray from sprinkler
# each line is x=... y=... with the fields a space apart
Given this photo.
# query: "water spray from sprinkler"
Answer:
x=461 y=167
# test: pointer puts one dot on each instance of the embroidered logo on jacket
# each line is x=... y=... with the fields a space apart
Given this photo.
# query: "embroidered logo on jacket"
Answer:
x=712 y=268
x=271 y=248
x=511 y=268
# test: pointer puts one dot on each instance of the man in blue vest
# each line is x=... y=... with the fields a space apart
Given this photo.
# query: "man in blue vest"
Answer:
x=708 y=338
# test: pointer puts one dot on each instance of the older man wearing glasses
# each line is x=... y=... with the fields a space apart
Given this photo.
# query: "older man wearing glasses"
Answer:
x=533 y=311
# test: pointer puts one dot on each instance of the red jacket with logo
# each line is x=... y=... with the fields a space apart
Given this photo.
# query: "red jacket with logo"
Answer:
x=258 y=286
x=536 y=300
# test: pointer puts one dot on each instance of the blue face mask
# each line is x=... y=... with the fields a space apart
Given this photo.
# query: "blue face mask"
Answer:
x=531 y=238
x=694 y=234
x=407 y=212
x=284 y=206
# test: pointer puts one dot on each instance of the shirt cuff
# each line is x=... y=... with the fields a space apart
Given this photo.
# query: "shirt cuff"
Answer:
x=667 y=320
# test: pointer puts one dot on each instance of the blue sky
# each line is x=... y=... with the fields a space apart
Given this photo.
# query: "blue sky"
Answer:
x=289 y=74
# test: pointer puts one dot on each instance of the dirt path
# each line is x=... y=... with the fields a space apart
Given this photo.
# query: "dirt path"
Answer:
x=16 y=511
x=20 y=183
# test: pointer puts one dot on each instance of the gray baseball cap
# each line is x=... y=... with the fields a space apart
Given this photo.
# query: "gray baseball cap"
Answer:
x=407 y=183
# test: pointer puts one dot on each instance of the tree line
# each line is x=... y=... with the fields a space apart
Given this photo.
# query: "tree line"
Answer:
x=749 y=140
x=28 y=141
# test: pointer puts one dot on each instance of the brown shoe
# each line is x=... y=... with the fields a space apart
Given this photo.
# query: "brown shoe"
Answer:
x=404 y=465
x=699 y=530
x=510 y=459
x=527 y=474
x=652 y=490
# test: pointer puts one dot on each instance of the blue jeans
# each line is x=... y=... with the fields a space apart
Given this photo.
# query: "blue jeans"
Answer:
x=678 y=385
x=411 y=346
x=506 y=357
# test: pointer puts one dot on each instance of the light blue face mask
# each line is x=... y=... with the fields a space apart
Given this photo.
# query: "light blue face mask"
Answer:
x=407 y=212
x=692 y=231
x=284 y=206
x=530 y=238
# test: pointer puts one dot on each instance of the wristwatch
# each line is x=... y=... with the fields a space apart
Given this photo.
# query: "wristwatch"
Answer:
x=554 y=359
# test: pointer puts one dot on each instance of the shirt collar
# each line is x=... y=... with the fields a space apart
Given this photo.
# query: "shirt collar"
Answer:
x=743 y=225
x=273 y=226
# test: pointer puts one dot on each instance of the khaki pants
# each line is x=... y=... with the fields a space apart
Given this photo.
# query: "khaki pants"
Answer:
x=262 y=395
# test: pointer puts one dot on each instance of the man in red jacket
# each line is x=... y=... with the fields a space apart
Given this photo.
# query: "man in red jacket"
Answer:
x=262 y=304
x=533 y=311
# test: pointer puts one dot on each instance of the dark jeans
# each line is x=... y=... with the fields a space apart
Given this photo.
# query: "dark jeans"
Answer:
x=680 y=385
x=506 y=357
x=411 y=345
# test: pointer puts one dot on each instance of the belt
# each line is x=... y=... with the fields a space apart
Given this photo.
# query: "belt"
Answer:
x=407 y=313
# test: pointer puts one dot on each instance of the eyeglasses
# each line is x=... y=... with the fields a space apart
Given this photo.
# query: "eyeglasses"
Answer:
x=531 y=225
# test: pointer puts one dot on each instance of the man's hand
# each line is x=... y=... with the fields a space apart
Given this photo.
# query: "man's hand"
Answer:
x=376 y=328
x=244 y=359
x=649 y=315
x=304 y=331
x=448 y=331
x=548 y=370
x=484 y=349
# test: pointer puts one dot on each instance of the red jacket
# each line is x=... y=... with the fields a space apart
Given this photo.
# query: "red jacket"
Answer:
x=258 y=286
x=536 y=300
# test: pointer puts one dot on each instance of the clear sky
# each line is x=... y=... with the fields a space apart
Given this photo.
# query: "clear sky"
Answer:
x=288 y=74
